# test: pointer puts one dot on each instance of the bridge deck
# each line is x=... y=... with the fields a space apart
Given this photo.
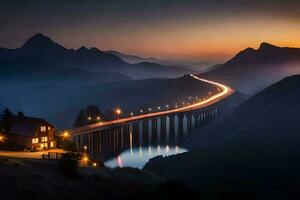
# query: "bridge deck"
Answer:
x=224 y=93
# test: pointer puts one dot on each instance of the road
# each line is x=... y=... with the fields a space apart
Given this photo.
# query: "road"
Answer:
x=225 y=92
x=32 y=155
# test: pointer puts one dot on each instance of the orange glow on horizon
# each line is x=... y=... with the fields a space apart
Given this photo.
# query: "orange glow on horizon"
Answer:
x=202 y=40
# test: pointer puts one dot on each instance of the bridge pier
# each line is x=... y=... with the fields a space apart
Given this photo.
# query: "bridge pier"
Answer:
x=162 y=130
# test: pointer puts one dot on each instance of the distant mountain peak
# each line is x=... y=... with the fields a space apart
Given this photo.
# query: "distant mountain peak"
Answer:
x=94 y=49
x=83 y=48
x=39 y=41
x=265 y=45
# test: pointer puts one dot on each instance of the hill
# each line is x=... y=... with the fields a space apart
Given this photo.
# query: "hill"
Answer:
x=60 y=102
x=256 y=156
x=253 y=70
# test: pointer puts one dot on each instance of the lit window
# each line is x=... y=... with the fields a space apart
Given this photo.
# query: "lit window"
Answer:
x=42 y=145
x=43 y=129
x=52 y=144
x=35 y=140
x=49 y=128
x=46 y=145
x=44 y=139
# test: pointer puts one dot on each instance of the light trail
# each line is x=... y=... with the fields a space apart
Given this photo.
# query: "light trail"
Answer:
x=226 y=91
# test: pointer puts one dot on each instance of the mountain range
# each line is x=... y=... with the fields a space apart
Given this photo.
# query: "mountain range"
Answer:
x=252 y=70
x=189 y=64
x=45 y=50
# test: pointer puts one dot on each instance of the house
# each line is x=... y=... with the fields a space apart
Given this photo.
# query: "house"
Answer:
x=31 y=133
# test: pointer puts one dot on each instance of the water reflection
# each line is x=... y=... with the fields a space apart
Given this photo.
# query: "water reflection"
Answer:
x=138 y=157
x=133 y=144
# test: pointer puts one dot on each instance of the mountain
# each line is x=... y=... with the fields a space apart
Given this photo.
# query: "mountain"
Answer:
x=252 y=70
x=42 y=47
x=188 y=64
x=93 y=59
x=257 y=152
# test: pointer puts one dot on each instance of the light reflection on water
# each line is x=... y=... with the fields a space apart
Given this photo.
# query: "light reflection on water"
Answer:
x=133 y=144
x=138 y=157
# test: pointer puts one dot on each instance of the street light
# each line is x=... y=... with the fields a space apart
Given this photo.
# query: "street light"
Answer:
x=118 y=112
x=98 y=118
x=85 y=160
x=2 y=138
x=65 y=134
x=94 y=164
x=158 y=107
x=131 y=113
x=89 y=118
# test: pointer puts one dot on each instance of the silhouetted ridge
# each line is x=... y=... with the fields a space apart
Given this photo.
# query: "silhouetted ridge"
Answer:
x=265 y=45
x=40 y=41
x=83 y=48
x=42 y=47
x=252 y=70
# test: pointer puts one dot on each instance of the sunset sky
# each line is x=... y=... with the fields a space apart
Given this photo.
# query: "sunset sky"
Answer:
x=188 y=29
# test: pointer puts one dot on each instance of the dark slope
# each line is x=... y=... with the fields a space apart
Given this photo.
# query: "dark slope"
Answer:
x=60 y=102
x=34 y=70
x=252 y=70
x=260 y=154
x=42 y=47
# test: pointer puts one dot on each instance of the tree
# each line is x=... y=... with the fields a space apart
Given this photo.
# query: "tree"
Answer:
x=92 y=111
x=6 y=120
x=91 y=114
x=68 y=145
x=80 y=119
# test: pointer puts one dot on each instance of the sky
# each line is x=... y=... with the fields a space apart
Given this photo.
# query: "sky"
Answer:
x=174 y=29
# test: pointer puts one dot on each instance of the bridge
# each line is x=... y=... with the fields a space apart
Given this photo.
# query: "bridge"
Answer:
x=159 y=124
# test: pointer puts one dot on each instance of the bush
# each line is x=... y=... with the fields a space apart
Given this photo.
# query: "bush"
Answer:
x=68 y=164
x=69 y=145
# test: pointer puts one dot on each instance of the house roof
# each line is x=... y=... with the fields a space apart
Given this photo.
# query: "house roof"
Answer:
x=27 y=126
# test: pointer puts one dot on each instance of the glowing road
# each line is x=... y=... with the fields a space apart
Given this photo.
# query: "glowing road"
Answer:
x=225 y=92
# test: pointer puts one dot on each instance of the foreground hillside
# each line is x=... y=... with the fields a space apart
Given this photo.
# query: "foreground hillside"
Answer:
x=38 y=179
x=257 y=155
x=252 y=70
x=41 y=179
